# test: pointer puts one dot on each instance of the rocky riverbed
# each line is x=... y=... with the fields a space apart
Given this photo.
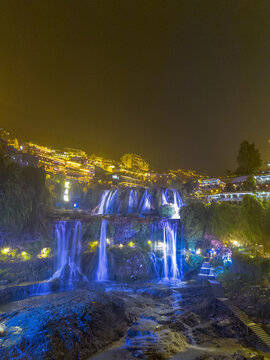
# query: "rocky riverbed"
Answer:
x=114 y=321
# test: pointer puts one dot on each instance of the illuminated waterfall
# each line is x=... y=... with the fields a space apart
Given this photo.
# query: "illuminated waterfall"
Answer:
x=110 y=203
x=101 y=207
x=132 y=201
x=170 y=267
x=145 y=203
x=172 y=197
x=68 y=247
x=102 y=269
x=107 y=203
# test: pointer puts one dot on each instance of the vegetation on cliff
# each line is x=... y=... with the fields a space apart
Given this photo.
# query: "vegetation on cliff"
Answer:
x=23 y=196
x=248 y=222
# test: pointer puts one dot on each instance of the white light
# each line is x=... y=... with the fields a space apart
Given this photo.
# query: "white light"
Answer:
x=66 y=198
x=67 y=184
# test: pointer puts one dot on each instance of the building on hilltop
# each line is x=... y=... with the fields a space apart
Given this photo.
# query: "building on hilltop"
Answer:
x=136 y=162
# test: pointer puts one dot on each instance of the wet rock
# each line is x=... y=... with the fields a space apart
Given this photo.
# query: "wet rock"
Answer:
x=191 y=319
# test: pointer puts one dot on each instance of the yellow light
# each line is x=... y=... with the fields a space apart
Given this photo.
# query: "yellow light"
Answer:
x=23 y=253
x=6 y=250
x=108 y=241
x=149 y=242
x=93 y=245
x=121 y=245
x=131 y=244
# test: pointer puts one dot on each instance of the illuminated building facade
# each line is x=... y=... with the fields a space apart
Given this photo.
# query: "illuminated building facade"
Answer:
x=79 y=169
x=133 y=161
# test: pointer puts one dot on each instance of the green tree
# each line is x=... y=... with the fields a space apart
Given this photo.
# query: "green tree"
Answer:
x=250 y=184
x=195 y=219
x=253 y=220
x=224 y=220
x=248 y=158
x=167 y=210
x=23 y=195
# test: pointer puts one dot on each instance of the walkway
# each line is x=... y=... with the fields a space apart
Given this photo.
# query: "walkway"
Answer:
x=218 y=293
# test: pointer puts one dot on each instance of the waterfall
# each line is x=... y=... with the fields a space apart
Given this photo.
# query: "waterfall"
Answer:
x=110 y=205
x=164 y=195
x=145 y=203
x=102 y=269
x=101 y=207
x=68 y=249
x=169 y=250
x=182 y=251
x=172 y=197
x=132 y=201
x=107 y=202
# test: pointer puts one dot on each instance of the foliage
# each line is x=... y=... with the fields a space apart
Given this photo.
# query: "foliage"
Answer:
x=250 y=184
x=194 y=261
x=248 y=158
x=195 y=219
x=224 y=220
x=253 y=220
x=167 y=211
x=23 y=196
x=248 y=222
x=190 y=186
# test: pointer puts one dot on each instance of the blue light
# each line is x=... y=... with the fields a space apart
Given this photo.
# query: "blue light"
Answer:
x=75 y=205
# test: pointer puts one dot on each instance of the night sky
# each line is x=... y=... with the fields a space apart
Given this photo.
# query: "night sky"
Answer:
x=181 y=83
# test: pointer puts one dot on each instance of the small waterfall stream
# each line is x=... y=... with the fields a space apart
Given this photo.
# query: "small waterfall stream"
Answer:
x=68 y=247
x=107 y=203
x=132 y=201
x=145 y=203
x=102 y=269
x=170 y=265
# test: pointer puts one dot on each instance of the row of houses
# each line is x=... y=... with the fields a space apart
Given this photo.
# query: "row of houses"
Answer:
x=234 y=189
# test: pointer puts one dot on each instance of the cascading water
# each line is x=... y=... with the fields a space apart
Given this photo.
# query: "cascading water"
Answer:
x=102 y=269
x=102 y=205
x=107 y=203
x=132 y=201
x=145 y=203
x=182 y=251
x=170 y=267
x=68 y=249
x=172 y=197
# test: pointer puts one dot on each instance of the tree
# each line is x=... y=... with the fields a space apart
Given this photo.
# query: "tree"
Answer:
x=248 y=158
x=23 y=196
x=250 y=184
x=195 y=219
x=253 y=220
x=167 y=210
x=224 y=220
